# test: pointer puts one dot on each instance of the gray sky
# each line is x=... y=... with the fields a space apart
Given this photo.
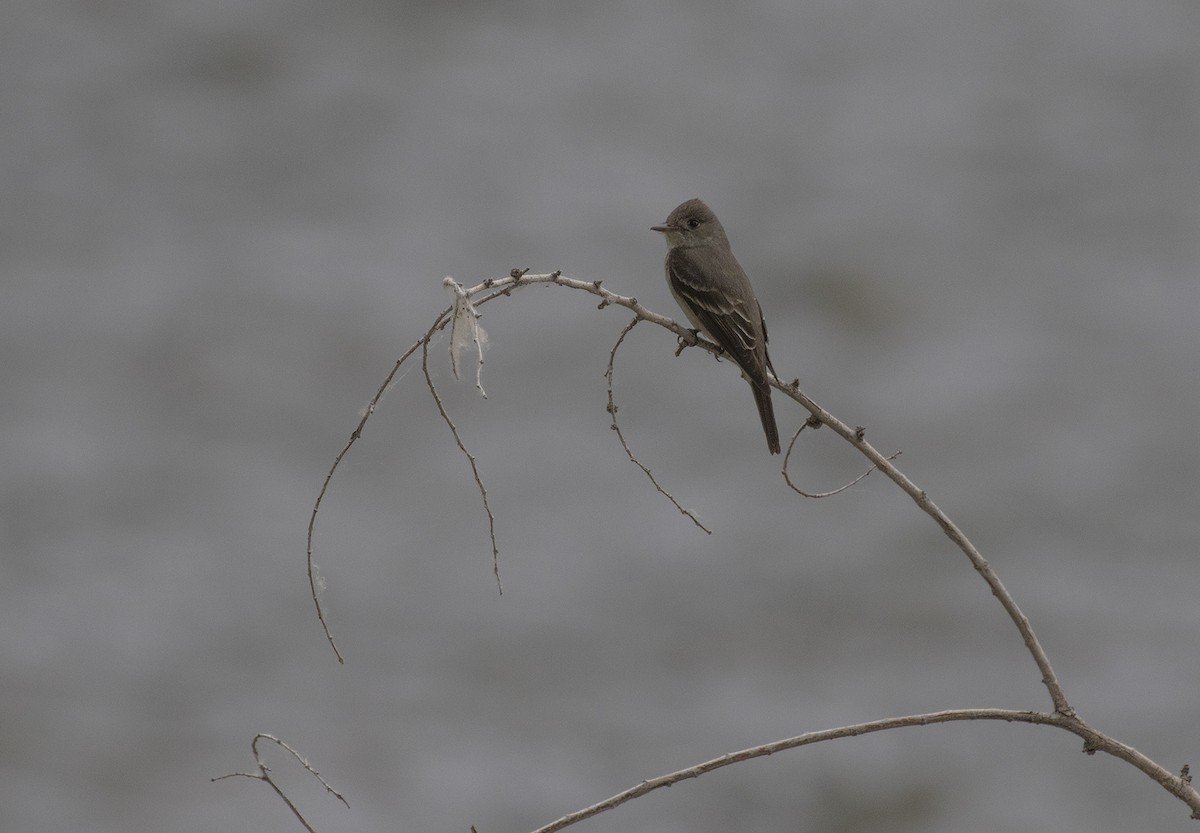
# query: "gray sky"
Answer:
x=972 y=227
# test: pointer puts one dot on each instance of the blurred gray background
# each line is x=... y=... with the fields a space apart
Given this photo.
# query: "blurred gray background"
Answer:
x=974 y=228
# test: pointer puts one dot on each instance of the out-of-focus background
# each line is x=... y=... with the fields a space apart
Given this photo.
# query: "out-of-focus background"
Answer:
x=974 y=229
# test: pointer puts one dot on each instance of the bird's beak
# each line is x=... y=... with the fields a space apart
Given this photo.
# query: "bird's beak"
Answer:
x=662 y=229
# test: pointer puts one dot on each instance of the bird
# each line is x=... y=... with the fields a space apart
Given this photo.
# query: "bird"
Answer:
x=713 y=291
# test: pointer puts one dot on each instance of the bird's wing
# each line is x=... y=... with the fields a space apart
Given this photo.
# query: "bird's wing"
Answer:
x=721 y=301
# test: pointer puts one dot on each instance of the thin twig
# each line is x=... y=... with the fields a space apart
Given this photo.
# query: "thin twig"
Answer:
x=487 y=507
x=264 y=775
x=612 y=412
x=787 y=476
x=313 y=580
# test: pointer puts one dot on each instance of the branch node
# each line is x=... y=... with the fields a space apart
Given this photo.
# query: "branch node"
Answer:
x=859 y=432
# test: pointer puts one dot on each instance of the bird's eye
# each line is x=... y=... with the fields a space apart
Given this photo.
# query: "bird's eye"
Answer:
x=693 y=223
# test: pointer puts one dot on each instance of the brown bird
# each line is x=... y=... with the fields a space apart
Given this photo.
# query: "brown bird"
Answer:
x=712 y=289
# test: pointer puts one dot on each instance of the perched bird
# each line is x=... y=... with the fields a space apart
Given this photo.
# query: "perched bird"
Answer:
x=715 y=294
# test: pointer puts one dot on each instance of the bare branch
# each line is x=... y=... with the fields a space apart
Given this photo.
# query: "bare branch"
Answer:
x=612 y=412
x=787 y=460
x=1063 y=716
x=313 y=580
x=1178 y=785
x=791 y=743
x=487 y=507
x=856 y=437
x=264 y=775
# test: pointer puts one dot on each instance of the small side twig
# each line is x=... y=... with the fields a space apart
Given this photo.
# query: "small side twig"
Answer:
x=487 y=506
x=264 y=775
x=787 y=476
x=612 y=412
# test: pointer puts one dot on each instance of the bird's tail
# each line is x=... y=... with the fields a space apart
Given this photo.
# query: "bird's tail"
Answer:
x=766 y=412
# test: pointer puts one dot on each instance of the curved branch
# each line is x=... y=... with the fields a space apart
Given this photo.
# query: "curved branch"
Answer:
x=314 y=581
x=487 y=506
x=1178 y=785
x=787 y=464
x=791 y=743
x=609 y=374
x=855 y=436
x=264 y=775
x=1063 y=716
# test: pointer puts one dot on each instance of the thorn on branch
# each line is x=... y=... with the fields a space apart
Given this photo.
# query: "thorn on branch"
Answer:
x=795 y=385
x=859 y=432
x=1185 y=774
x=517 y=274
x=594 y=283
x=813 y=422
x=602 y=304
